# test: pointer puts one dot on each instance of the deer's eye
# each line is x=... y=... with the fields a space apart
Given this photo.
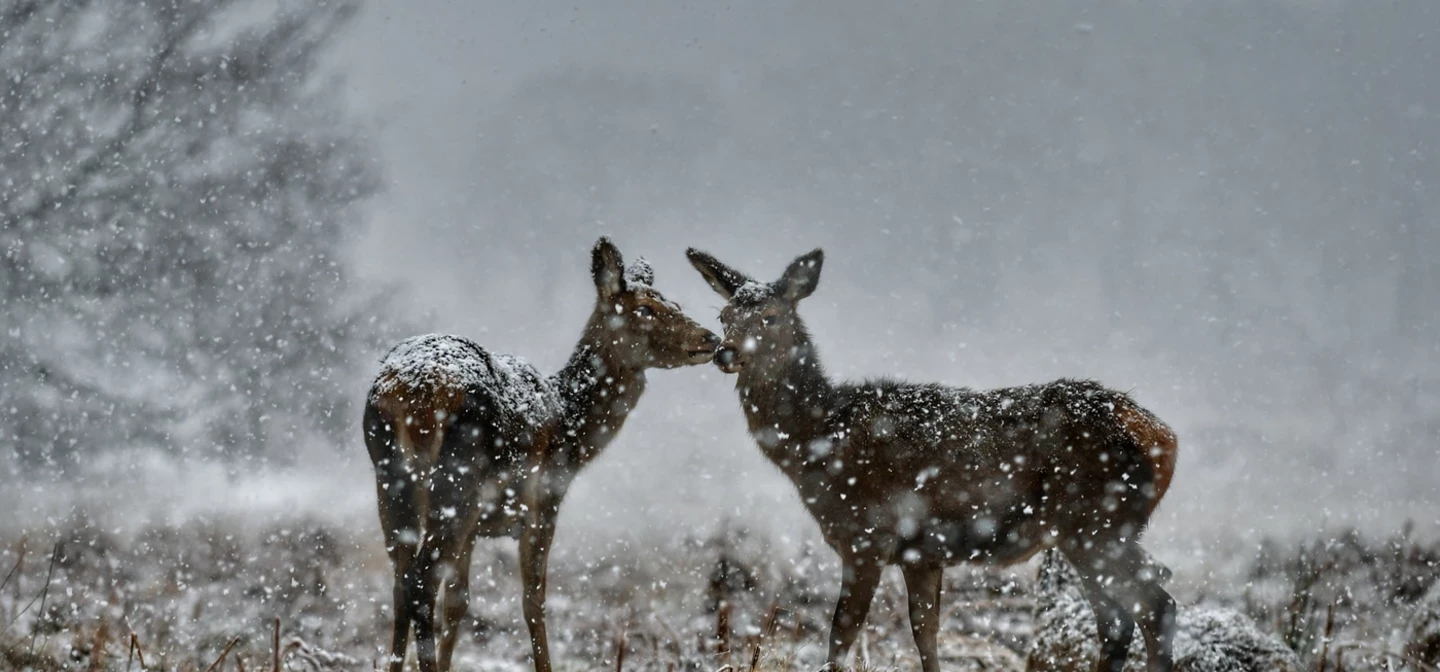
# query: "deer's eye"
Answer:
x=645 y=311
x=769 y=320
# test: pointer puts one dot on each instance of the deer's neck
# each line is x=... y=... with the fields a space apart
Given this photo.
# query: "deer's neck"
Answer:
x=786 y=397
x=598 y=388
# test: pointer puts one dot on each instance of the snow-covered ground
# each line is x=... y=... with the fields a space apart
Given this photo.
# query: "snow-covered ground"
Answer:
x=195 y=559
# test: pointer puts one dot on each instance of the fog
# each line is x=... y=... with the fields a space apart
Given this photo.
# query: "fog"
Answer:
x=1228 y=209
x=216 y=218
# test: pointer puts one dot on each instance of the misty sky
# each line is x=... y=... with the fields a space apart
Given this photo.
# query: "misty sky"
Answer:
x=1226 y=208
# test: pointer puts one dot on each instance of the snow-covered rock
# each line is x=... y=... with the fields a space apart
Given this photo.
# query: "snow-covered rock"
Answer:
x=301 y=656
x=1423 y=642
x=1206 y=640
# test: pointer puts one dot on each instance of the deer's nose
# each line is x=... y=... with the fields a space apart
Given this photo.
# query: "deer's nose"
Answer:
x=725 y=356
x=712 y=340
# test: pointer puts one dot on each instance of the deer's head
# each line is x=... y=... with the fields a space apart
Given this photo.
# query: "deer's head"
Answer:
x=637 y=322
x=759 y=318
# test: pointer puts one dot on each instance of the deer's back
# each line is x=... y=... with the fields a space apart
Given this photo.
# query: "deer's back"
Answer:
x=917 y=462
x=938 y=423
x=426 y=382
x=1000 y=439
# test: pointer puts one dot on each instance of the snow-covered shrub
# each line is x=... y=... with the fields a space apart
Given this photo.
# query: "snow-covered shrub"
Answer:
x=1206 y=639
x=1423 y=642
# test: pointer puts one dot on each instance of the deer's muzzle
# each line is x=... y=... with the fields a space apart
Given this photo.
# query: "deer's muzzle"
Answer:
x=703 y=353
x=727 y=359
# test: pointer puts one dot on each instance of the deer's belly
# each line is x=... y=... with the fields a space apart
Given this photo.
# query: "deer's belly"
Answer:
x=982 y=539
x=911 y=527
x=500 y=519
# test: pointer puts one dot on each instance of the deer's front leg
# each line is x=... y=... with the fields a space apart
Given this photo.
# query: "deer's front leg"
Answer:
x=860 y=576
x=535 y=541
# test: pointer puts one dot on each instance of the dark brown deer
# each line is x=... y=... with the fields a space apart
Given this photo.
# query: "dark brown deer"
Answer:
x=467 y=443
x=926 y=476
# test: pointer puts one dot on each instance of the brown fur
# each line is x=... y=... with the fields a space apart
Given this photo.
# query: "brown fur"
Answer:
x=925 y=476
x=1158 y=441
x=419 y=411
x=468 y=444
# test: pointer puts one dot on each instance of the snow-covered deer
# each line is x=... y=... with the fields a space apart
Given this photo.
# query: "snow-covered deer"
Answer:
x=926 y=476
x=467 y=443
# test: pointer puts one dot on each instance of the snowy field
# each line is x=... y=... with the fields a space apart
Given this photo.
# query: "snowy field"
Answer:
x=98 y=578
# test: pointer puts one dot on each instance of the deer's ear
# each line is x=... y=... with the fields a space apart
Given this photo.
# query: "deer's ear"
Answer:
x=723 y=279
x=802 y=276
x=608 y=267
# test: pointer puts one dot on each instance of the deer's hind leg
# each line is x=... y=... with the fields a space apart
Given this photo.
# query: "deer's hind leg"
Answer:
x=453 y=513
x=1114 y=626
x=400 y=512
x=922 y=588
x=456 y=603
x=435 y=560
x=1123 y=583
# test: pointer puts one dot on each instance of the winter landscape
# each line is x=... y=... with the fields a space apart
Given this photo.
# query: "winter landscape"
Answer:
x=217 y=217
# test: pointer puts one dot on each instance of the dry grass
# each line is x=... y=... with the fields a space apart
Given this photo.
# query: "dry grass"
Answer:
x=207 y=595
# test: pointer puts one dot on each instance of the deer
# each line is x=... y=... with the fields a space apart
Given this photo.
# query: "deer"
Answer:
x=927 y=476
x=467 y=443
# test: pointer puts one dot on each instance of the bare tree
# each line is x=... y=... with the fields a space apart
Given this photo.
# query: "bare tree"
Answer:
x=176 y=183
